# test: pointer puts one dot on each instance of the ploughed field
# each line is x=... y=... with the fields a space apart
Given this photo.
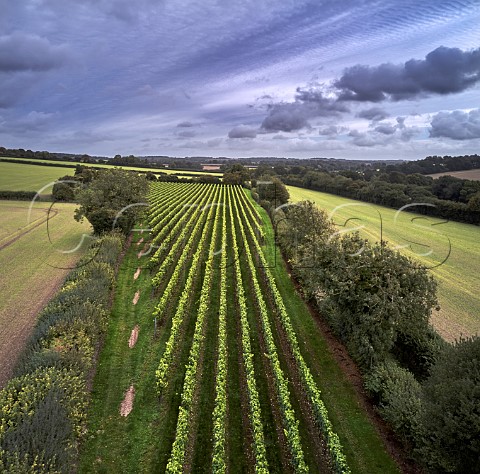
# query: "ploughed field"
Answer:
x=212 y=362
x=451 y=250
x=467 y=174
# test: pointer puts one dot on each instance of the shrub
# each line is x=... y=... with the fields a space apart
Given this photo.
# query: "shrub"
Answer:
x=43 y=409
x=18 y=195
x=452 y=409
x=399 y=398
x=42 y=419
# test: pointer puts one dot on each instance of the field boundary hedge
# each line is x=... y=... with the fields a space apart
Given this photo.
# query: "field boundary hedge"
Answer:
x=43 y=410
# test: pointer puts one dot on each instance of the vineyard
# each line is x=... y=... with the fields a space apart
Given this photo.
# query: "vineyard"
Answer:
x=217 y=376
x=216 y=230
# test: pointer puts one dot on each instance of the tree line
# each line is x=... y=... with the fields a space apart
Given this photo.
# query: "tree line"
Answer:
x=378 y=302
x=446 y=197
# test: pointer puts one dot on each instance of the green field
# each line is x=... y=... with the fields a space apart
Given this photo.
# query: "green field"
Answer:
x=453 y=252
x=25 y=177
x=34 y=260
x=197 y=290
x=19 y=177
x=131 y=168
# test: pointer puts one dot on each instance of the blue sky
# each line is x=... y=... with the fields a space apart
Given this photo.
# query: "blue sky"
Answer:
x=347 y=79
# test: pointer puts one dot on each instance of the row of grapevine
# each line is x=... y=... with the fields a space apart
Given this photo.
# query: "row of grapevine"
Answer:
x=159 y=200
x=190 y=220
x=177 y=320
x=255 y=219
x=170 y=260
x=180 y=223
x=175 y=463
x=291 y=423
x=219 y=461
x=261 y=465
x=185 y=227
x=162 y=204
x=173 y=209
x=321 y=415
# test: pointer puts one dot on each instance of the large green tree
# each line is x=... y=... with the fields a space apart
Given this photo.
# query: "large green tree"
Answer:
x=114 y=198
x=271 y=189
x=236 y=174
x=377 y=300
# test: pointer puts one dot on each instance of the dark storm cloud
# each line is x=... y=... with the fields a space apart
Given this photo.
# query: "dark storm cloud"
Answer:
x=384 y=134
x=363 y=139
x=13 y=87
x=185 y=124
x=375 y=113
x=331 y=131
x=242 y=131
x=32 y=122
x=386 y=129
x=443 y=71
x=24 y=52
x=401 y=122
x=309 y=104
x=286 y=117
x=187 y=134
x=457 y=125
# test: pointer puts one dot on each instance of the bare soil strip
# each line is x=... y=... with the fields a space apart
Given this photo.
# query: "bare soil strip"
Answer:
x=136 y=297
x=137 y=273
x=127 y=404
x=144 y=250
x=133 y=337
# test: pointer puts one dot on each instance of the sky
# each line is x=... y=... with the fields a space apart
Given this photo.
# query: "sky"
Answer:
x=355 y=79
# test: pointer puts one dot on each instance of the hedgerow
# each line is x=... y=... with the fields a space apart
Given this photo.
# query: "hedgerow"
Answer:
x=43 y=409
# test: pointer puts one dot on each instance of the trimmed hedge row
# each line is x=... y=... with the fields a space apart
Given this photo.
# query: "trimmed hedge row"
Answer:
x=18 y=195
x=43 y=409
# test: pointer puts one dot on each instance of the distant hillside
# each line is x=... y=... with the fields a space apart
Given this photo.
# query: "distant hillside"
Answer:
x=465 y=174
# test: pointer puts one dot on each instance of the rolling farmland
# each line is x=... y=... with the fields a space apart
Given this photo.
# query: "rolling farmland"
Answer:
x=212 y=362
x=467 y=174
x=450 y=249
x=128 y=168
x=34 y=261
